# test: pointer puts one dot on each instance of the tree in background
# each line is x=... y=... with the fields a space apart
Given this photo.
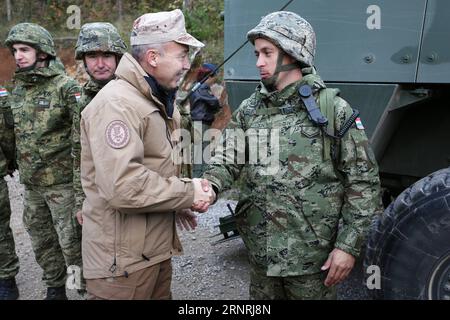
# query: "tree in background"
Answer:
x=203 y=17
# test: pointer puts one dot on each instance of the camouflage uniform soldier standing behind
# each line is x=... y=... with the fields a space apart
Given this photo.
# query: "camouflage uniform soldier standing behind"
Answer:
x=100 y=47
x=42 y=104
x=288 y=218
x=9 y=263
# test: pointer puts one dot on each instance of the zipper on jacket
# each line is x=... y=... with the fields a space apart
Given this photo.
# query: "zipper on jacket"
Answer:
x=168 y=134
x=114 y=265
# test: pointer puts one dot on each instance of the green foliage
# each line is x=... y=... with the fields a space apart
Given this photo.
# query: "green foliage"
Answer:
x=204 y=22
x=202 y=18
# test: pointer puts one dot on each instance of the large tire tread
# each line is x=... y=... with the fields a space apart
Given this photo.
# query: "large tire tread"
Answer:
x=408 y=207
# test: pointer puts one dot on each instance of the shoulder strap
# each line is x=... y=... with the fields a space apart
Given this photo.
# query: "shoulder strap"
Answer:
x=326 y=105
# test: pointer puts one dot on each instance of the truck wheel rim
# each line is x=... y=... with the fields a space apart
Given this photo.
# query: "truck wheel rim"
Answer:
x=439 y=283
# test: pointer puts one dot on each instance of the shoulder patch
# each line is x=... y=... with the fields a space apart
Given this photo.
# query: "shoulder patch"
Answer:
x=3 y=92
x=77 y=96
x=359 y=124
x=117 y=134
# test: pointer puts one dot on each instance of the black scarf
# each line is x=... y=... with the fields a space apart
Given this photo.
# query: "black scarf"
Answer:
x=166 y=97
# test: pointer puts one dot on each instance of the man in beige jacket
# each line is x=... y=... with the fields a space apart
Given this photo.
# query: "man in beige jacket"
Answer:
x=132 y=190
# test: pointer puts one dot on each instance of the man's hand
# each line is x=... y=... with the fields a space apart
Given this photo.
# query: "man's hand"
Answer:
x=339 y=264
x=186 y=220
x=79 y=216
x=204 y=195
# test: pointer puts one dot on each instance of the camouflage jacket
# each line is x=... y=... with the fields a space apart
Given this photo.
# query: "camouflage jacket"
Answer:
x=7 y=143
x=89 y=90
x=289 y=210
x=42 y=104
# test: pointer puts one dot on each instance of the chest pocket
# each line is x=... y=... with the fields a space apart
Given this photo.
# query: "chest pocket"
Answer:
x=17 y=108
x=50 y=113
x=310 y=131
x=301 y=149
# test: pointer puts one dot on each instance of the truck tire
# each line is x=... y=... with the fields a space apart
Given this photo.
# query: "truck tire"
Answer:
x=410 y=242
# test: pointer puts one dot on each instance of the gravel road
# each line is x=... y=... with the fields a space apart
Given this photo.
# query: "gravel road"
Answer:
x=205 y=271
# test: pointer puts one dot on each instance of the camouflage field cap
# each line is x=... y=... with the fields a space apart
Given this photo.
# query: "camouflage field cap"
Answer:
x=99 y=36
x=288 y=31
x=33 y=35
x=160 y=27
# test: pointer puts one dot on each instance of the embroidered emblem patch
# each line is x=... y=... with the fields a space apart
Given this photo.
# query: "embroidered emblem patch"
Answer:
x=77 y=96
x=117 y=134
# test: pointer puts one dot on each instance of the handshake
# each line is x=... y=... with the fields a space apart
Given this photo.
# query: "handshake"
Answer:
x=204 y=195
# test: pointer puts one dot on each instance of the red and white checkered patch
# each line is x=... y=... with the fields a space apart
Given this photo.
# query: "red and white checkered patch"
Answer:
x=3 y=92
x=359 y=124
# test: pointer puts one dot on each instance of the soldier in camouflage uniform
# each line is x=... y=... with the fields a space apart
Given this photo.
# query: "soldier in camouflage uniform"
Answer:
x=289 y=217
x=42 y=104
x=100 y=47
x=9 y=263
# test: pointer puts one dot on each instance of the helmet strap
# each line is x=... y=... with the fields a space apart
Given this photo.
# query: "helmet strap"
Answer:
x=270 y=83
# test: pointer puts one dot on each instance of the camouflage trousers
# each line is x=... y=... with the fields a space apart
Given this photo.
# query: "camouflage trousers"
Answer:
x=307 y=287
x=55 y=234
x=9 y=263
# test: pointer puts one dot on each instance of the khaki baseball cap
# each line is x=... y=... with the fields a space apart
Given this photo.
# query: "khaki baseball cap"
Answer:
x=160 y=27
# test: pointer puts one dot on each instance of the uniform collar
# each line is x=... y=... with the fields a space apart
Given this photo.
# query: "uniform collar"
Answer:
x=92 y=87
x=38 y=75
x=131 y=71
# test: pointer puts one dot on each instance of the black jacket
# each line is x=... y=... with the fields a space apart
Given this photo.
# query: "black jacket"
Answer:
x=203 y=104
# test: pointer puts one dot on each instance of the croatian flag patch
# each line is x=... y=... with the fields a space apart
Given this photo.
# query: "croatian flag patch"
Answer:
x=77 y=96
x=3 y=92
x=359 y=124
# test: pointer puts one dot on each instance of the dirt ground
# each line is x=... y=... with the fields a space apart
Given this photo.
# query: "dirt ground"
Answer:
x=204 y=272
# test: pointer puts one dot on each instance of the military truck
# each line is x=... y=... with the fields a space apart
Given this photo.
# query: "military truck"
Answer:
x=391 y=61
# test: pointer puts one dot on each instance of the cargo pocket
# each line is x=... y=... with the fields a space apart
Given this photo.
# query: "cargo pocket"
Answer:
x=17 y=114
x=134 y=228
x=323 y=232
x=242 y=206
x=51 y=150
x=247 y=214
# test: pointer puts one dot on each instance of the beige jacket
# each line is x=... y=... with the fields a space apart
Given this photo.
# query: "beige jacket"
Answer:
x=129 y=178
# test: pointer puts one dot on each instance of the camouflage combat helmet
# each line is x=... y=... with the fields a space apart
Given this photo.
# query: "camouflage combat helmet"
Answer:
x=99 y=36
x=33 y=35
x=290 y=32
